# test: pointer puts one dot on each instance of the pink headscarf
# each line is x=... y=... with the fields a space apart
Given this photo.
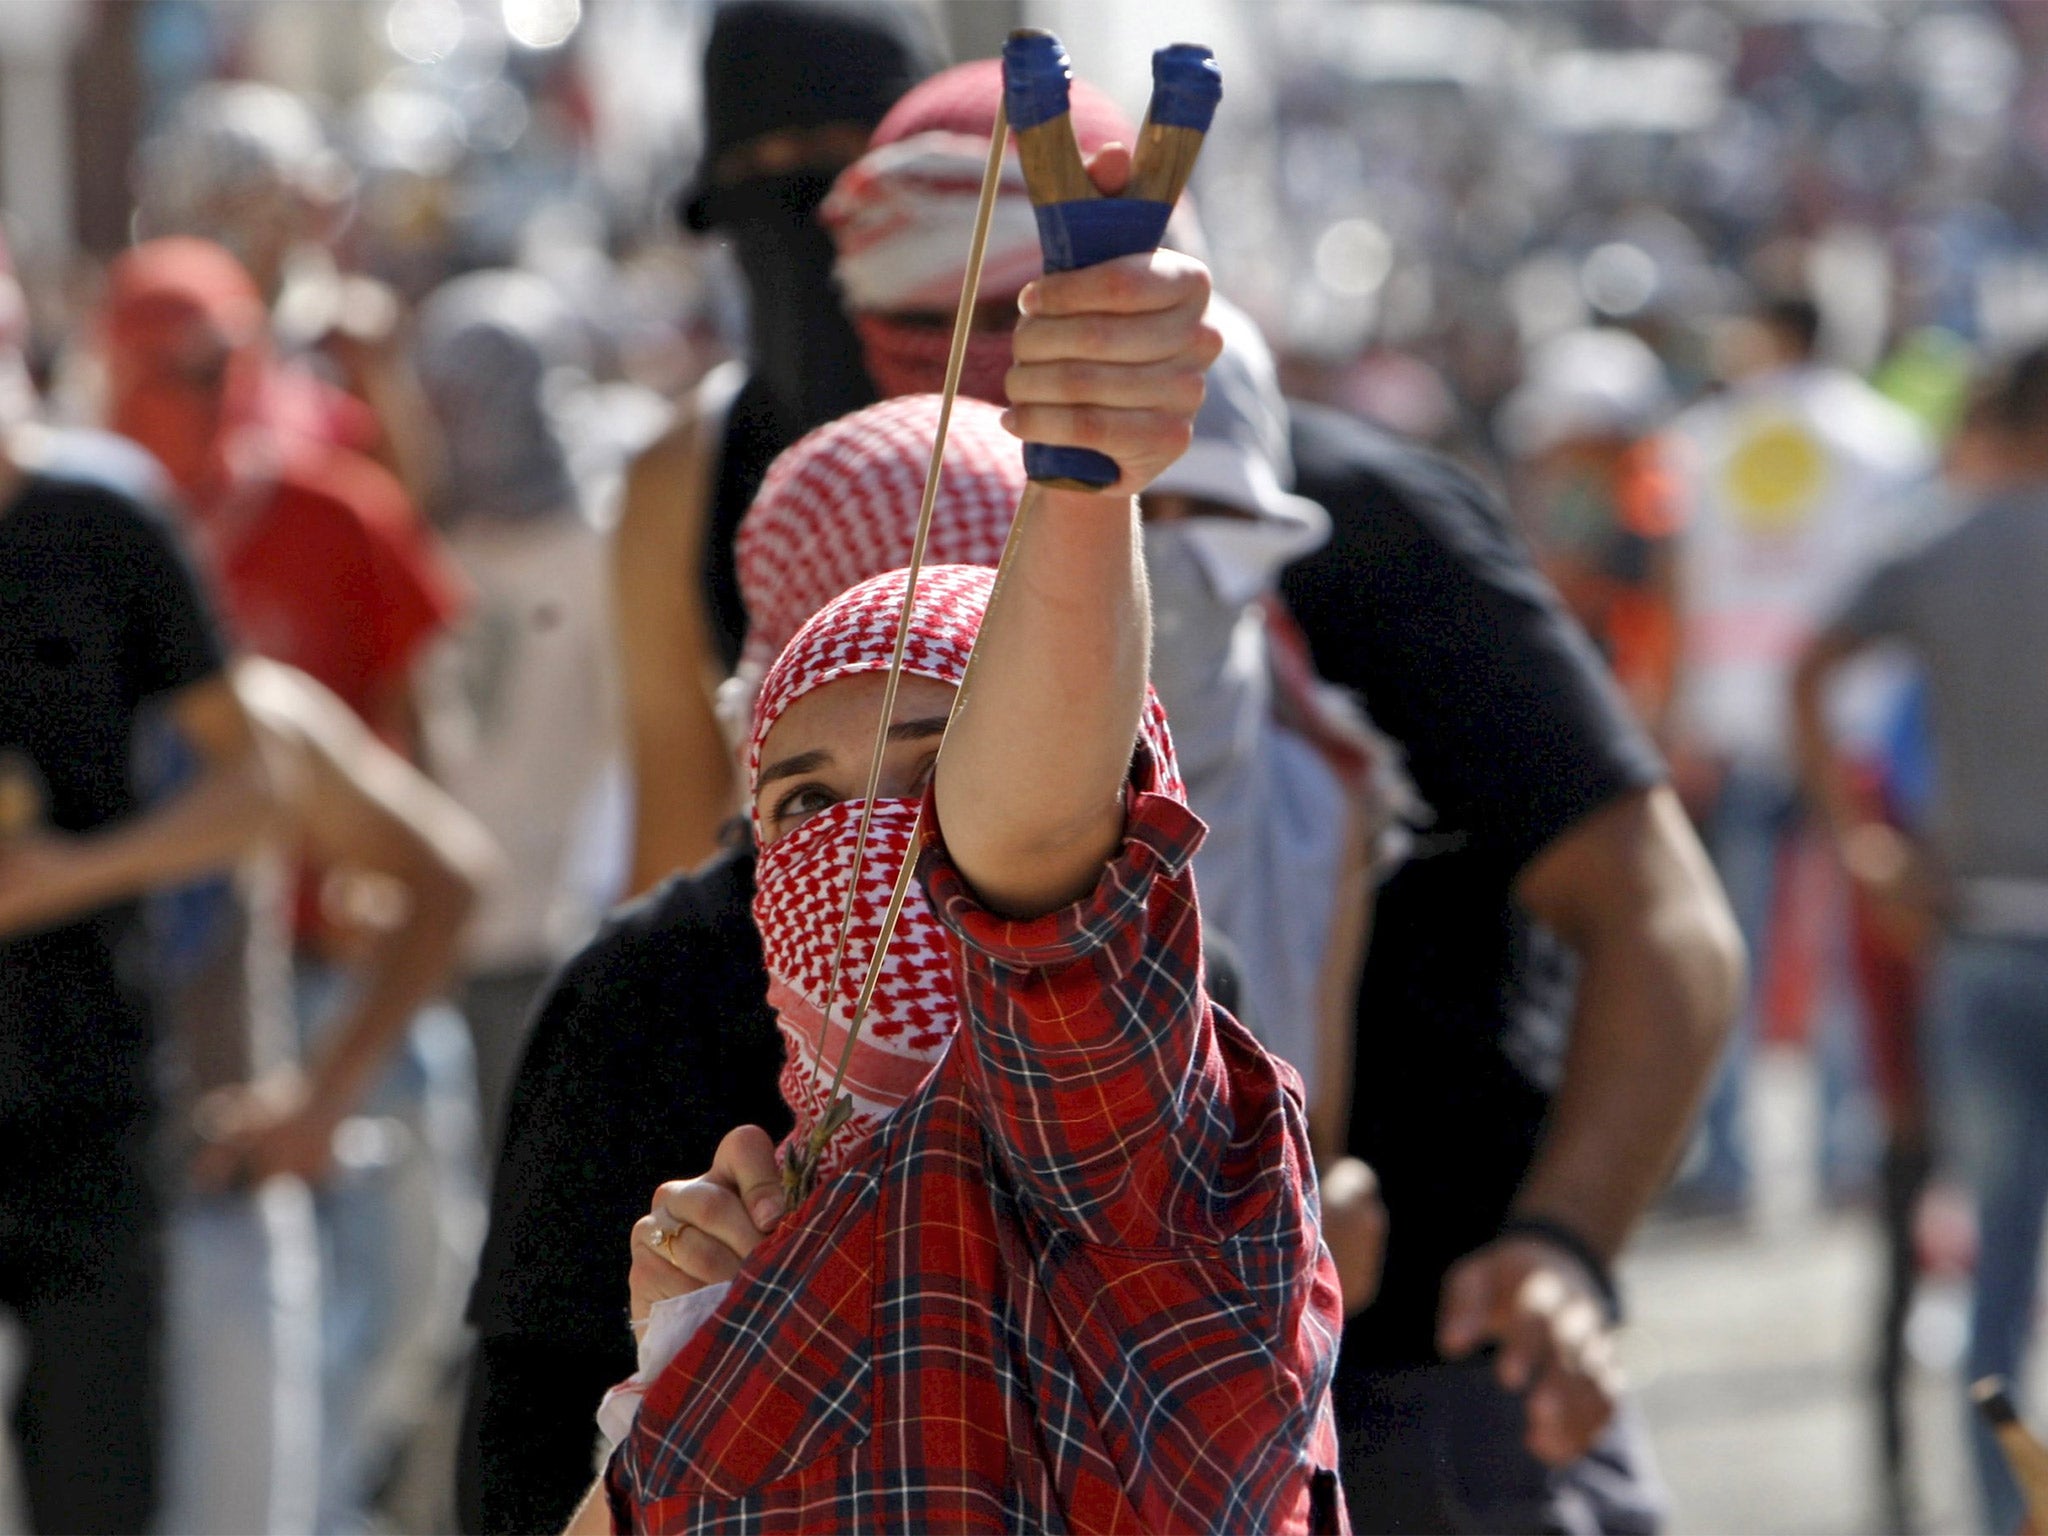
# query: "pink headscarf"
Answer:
x=184 y=336
x=800 y=879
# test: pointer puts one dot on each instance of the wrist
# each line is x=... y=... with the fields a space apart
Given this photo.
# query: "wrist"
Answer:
x=1573 y=1244
x=1100 y=508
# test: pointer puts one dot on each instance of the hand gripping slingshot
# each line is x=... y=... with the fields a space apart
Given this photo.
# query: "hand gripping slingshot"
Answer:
x=1077 y=227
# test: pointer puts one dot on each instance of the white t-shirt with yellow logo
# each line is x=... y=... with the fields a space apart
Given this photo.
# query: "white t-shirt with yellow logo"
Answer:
x=1798 y=483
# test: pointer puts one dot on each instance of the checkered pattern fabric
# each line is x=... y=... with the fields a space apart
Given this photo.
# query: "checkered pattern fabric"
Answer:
x=1075 y=1282
x=840 y=505
x=800 y=882
x=800 y=899
x=902 y=216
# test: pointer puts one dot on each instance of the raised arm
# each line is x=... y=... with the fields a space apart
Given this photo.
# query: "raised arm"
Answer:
x=1030 y=785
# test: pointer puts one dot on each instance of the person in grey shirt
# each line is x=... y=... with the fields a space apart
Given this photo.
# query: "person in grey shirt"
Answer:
x=1971 y=604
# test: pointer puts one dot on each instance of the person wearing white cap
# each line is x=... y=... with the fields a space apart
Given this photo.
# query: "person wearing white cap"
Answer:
x=1303 y=799
x=1599 y=501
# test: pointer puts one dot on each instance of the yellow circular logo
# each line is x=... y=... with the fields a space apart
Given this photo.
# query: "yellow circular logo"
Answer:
x=1774 y=477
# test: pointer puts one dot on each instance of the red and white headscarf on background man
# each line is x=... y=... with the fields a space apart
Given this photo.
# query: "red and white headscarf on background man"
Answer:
x=840 y=505
x=800 y=879
x=901 y=215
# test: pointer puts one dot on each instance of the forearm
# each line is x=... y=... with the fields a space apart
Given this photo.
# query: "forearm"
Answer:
x=211 y=824
x=593 y=1515
x=1030 y=786
x=683 y=788
x=404 y=970
x=1645 y=1037
x=1823 y=772
x=1660 y=977
x=1337 y=984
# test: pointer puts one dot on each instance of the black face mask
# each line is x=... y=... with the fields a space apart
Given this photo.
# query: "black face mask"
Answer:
x=804 y=348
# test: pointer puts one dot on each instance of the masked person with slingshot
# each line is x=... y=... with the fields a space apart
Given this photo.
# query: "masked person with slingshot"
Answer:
x=1050 y=1260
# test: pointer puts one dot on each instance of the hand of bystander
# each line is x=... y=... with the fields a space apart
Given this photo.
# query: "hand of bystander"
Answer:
x=1546 y=1315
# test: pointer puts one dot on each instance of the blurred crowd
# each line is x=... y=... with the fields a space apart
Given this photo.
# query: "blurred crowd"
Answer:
x=1623 y=407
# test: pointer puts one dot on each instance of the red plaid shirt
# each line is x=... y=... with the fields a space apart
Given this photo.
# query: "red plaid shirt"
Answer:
x=1075 y=1283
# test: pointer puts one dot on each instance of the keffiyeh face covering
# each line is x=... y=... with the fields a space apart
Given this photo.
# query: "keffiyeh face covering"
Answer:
x=800 y=880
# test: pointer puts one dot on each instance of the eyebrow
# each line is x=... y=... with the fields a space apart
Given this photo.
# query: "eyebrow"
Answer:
x=805 y=762
x=790 y=767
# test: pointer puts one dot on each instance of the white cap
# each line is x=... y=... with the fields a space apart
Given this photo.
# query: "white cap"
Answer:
x=1239 y=457
x=1585 y=383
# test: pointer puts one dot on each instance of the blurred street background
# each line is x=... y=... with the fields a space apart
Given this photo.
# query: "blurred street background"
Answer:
x=1418 y=203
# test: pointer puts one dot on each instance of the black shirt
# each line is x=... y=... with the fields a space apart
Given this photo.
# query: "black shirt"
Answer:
x=99 y=616
x=1427 y=604
x=653 y=1042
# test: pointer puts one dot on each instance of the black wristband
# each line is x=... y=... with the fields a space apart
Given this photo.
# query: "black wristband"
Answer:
x=1558 y=1235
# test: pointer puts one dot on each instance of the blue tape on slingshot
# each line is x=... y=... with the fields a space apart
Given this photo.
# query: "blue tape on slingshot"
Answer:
x=1091 y=230
x=1036 y=74
x=1186 y=85
x=1082 y=234
x=1084 y=466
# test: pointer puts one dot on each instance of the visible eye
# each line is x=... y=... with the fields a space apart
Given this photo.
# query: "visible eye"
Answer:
x=800 y=803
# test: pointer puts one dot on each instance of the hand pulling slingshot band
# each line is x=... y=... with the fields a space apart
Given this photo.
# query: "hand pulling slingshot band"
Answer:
x=1077 y=227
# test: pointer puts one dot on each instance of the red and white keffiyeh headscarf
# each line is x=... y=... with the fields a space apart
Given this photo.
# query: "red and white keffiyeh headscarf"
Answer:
x=800 y=879
x=840 y=505
x=900 y=218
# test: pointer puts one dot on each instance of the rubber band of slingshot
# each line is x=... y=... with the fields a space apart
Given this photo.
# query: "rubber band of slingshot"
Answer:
x=956 y=357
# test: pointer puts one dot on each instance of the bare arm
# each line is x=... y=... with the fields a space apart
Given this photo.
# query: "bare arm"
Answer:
x=1030 y=786
x=1660 y=975
x=593 y=1516
x=1895 y=872
x=1631 y=891
x=360 y=808
x=1354 y=1216
x=1336 y=1044
x=48 y=876
x=684 y=787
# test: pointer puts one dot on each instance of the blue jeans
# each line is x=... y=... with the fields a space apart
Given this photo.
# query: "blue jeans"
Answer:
x=243 y=1347
x=1754 y=821
x=400 y=1221
x=1990 y=1059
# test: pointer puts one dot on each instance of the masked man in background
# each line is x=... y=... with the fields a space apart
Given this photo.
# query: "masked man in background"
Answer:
x=792 y=89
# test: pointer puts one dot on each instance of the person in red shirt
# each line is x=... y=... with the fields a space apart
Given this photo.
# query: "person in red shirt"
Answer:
x=315 y=551
x=1062 y=1268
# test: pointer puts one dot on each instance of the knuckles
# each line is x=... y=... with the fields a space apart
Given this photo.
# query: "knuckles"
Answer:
x=1149 y=280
